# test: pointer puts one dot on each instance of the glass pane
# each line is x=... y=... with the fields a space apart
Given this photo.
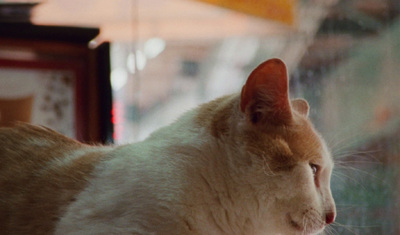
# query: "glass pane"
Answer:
x=343 y=57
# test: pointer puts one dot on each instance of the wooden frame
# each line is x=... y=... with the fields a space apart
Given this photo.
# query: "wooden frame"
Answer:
x=66 y=49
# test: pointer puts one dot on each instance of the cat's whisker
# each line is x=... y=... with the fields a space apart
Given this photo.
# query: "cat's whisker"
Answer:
x=361 y=172
x=356 y=153
x=266 y=168
x=348 y=228
x=349 y=165
x=332 y=230
x=356 y=162
x=359 y=227
x=344 y=169
x=329 y=230
x=342 y=142
x=343 y=176
x=304 y=224
x=351 y=228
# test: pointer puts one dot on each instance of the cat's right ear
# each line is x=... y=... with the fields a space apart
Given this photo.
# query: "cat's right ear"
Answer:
x=265 y=97
x=301 y=106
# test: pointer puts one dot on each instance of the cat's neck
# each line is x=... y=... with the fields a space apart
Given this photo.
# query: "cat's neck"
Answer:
x=210 y=156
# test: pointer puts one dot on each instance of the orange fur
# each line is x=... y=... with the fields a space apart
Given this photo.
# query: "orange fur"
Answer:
x=33 y=192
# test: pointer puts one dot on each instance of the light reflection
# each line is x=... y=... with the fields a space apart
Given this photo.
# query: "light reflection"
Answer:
x=119 y=77
x=153 y=47
x=137 y=61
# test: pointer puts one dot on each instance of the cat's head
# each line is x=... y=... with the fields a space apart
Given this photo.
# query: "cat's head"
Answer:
x=286 y=160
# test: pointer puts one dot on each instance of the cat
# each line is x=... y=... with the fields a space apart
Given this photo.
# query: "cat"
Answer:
x=249 y=163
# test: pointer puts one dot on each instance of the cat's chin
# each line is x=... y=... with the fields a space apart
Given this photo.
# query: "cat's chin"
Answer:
x=304 y=230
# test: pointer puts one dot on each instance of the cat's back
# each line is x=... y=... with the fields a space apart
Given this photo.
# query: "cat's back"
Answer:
x=43 y=171
x=31 y=147
x=27 y=142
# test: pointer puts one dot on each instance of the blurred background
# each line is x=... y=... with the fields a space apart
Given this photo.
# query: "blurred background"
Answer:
x=165 y=57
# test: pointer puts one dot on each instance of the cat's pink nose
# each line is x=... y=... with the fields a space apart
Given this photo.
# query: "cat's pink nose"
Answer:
x=330 y=217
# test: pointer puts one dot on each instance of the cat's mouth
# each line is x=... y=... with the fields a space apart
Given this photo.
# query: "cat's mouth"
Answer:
x=303 y=230
x=294 y=224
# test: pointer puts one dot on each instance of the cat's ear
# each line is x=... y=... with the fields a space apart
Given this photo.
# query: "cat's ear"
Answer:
x=265 y=97
x=301 y=106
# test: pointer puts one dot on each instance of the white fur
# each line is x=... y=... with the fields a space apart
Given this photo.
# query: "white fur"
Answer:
x=142 y=189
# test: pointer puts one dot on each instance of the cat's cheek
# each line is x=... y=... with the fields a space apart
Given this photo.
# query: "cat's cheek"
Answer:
x=317 y=181
x=303 y=190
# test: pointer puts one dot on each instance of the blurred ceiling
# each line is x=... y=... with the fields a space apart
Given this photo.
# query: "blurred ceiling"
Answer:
x=122 y=20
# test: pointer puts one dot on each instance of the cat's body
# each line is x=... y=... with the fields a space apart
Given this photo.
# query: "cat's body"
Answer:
x=242 y=164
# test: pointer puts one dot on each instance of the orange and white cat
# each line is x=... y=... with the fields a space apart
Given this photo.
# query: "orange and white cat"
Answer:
x=249 y=164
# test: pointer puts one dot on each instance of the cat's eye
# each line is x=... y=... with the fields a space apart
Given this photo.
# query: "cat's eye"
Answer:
x=314 y=168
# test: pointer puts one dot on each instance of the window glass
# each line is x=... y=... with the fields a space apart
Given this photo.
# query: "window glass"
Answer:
x=342 y=56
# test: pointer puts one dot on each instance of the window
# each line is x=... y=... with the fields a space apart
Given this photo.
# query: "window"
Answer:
x=343 y=57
